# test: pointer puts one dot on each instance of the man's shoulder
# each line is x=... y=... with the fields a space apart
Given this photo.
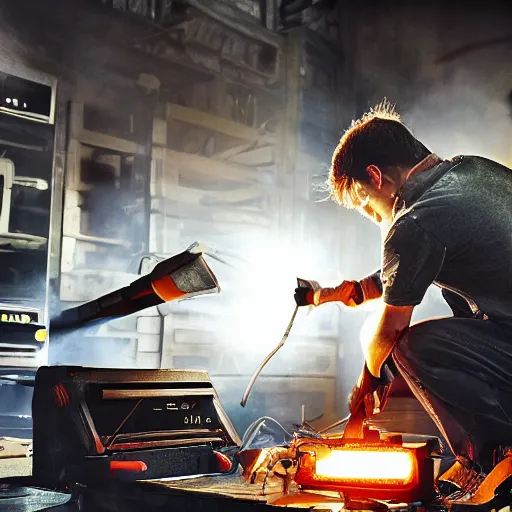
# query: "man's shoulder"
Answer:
x=475 y=163
x=461 y=196
x=405 y=224
x=419 y=222
x=470 y=179
x=458 y=182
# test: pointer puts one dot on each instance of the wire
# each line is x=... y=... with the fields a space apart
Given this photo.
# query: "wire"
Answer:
x=252 y=430
x=112 y=438
x=267 y=359
x=334 y=425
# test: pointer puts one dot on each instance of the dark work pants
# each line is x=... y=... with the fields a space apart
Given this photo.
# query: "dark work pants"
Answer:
x=461 y=371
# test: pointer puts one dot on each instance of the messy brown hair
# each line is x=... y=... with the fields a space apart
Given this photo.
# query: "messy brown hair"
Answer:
x=378 y=138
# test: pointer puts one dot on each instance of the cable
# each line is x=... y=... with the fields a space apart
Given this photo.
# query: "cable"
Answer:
x=268 y=358
x=334 y=425
x=252 y=430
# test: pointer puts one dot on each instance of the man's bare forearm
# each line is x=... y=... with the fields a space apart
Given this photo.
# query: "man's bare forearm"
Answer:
x=393 y=322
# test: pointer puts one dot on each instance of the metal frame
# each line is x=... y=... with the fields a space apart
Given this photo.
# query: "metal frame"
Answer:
x=6 y=194
x=144 y=393
x=113 y=394
x=57 y=202
x=12 y=67
x=16 y=69
x=155 y=377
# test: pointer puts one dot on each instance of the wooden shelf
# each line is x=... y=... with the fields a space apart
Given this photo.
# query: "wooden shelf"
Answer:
x=209 y=167
x=217 y=124
x=198 y=197
x=101 y=140
x=97 y=239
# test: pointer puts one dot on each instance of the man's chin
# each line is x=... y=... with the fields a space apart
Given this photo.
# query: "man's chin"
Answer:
x=376 y=219
x=373 y=216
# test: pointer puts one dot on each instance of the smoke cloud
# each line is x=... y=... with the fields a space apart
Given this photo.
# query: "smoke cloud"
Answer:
x=455 y=107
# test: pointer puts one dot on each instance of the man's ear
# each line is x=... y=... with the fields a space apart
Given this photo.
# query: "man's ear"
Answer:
x=375 y=175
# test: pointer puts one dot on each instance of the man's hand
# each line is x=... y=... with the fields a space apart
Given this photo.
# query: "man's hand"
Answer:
x=368 y=397
x=366 y=385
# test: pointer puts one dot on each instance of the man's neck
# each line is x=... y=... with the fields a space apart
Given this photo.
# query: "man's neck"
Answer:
x=425 y=164
x=406 y=173
x=422 y=166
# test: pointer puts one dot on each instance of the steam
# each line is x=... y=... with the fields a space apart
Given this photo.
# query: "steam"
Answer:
x=470 y=116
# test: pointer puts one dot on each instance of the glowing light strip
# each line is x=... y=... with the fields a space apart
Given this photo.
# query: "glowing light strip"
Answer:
x=367 y=465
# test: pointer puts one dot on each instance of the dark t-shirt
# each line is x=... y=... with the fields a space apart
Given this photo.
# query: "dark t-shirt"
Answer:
x=454 y=230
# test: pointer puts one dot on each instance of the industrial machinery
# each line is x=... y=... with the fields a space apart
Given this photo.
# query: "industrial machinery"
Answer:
x=371 y=470
x=94 y=424
x=376 y=471
x=26 y=154
x=368 y=469
x=22 y=332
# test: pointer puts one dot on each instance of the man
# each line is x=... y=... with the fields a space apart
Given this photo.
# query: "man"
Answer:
x=447 y=222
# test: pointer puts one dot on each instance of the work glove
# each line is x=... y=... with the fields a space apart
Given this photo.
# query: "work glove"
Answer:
x=348 y=292
x=305 y=292
x=304 y=296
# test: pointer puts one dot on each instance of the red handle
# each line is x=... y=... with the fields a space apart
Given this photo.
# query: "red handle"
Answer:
x=224 y=462
x=127 y=465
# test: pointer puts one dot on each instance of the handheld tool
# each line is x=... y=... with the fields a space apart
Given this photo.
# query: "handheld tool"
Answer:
x=183 y=276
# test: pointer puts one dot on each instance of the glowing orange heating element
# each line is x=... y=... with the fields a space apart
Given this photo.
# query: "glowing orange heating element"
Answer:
x=377 y=464
x=389 y=470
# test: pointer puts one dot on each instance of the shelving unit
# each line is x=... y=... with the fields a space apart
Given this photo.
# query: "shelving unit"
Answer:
x=222 y=182
x=80 y=280
x=216 y=157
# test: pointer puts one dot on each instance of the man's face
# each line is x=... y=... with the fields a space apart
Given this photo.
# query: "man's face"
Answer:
x=377 y=198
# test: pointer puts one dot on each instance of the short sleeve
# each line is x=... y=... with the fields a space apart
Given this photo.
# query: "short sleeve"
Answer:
x=411 y=261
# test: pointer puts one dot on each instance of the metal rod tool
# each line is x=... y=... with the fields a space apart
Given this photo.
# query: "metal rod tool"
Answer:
x=268 y=358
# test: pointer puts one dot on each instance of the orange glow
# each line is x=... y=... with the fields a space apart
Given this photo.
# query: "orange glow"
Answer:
x=166 y=289
x=377 y=465
x=383 y=470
